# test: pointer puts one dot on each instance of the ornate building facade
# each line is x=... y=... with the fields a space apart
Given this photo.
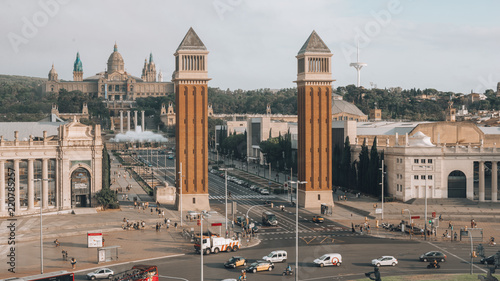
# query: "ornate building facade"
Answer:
x=113 y=84
x=58 y=167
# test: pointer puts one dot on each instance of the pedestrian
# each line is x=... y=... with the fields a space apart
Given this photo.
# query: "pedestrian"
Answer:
x=455 y=236
x=162 y=213
x=352 y=228
x=56 y=243
x=135 y=204
x=123 y=196
x=175 y=225
x=361 y=229
x=151 y=210
x=472 y=223
x=73 y=263
x=126 y=196
x=156 y=227
x=165 y=221
x=64 y=255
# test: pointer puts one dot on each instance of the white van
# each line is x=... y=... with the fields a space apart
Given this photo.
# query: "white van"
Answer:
x=276 y=256
x=328 y=259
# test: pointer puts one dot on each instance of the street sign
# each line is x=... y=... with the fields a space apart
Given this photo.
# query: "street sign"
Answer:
x=217 y=224
x=378 y=211
x=415 y=217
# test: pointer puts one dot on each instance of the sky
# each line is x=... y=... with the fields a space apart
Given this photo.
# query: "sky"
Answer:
x=446 y=45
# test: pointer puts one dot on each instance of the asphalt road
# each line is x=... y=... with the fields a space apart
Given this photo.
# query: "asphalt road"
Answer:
x=314 y=240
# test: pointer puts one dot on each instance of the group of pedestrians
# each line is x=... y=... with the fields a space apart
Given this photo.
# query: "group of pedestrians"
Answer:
x=65 y=254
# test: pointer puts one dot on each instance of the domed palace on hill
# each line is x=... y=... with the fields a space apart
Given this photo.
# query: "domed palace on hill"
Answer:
x=113 y=84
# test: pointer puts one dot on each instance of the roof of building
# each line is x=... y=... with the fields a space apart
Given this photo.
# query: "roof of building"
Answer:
x=191 y=42
x=100 y=75
x=26 y=129
x=386 y=128
x=490 y=130
x=314 y=44
x=340 y=106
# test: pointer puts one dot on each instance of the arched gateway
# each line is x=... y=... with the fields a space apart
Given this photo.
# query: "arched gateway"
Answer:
x=457 y=185
x=80 y=188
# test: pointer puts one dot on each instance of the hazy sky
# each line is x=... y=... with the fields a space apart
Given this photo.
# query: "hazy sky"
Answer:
x=446 y=45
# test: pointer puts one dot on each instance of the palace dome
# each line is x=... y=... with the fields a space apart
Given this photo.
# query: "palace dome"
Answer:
x=115 y=62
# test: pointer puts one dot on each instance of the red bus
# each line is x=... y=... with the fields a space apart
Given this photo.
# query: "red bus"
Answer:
x=139 y=273
x=52 y=276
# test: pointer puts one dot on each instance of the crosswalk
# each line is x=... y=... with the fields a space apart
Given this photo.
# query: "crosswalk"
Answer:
x=256 y=196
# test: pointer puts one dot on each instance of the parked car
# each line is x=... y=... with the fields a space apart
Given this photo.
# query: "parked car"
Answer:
x=318 y=219
x=234 y=262
x=329 y=259
x=432 y=256
x=264 y=192
x=276 y=256
x=488 y=260
x=100 y=273
x=385 y=260
x=260 y=266
x=253 y=187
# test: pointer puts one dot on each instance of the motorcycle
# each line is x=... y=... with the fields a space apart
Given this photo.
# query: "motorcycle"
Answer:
x=287 y=272
x=433 y=265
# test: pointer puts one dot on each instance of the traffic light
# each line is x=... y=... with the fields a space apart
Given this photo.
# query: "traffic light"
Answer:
x=430 y=222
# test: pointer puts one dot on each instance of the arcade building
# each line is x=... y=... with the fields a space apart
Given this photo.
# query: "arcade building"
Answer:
x=51 y=164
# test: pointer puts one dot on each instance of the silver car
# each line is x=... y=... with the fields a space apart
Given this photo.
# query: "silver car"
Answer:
x=100 y=273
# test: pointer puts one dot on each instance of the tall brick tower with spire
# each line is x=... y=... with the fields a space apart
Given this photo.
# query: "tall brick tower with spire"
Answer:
x=191 y=100
x=314 y=106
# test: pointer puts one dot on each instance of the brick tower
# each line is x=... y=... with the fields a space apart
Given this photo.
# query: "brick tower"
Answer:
x=314 y=106
x=191 y=89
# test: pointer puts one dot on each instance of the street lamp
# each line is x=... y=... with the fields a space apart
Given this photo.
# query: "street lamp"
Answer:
x=297 y=228
x=425 y=196
x=180 y=188
x=409 y=214
x=382 y=183
x=41 y=220
x=225 y=183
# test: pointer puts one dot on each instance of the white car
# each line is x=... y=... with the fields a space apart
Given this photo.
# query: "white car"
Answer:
x=264 y=191
x=276 y=256
x=329 y=259
x=100 y=273
x=385 y=260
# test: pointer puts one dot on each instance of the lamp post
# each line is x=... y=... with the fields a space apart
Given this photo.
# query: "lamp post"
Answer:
x=471 y=253
x=41 y=222
x=297 y=228
x=382 y=183
x=201 y=245
x=180 y=188
x=225 y=183
x=425 y=199
x=409 y=215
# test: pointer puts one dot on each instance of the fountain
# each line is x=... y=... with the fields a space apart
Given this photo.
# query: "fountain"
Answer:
x=138 y=136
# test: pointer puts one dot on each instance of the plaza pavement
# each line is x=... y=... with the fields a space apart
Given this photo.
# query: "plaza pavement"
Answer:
x=71 y=230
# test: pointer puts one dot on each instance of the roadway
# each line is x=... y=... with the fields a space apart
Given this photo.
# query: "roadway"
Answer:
x=314 y=240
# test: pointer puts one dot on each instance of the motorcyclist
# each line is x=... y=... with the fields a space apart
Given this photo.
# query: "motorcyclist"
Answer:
x=434 y=264
x=243 y=275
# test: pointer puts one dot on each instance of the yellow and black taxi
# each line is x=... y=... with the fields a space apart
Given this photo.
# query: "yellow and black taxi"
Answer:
x=234 y=262
x=318 y=219
x=260 y=266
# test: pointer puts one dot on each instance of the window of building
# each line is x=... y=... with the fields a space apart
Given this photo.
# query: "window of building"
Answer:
x=194 y=200
x=415 y=161
x=422 y=177
x=319 y=196
x=429 y=161
x=415 y=177
x=117 y=88
x=422 y=161
x=110 y=88
x=429 y=177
